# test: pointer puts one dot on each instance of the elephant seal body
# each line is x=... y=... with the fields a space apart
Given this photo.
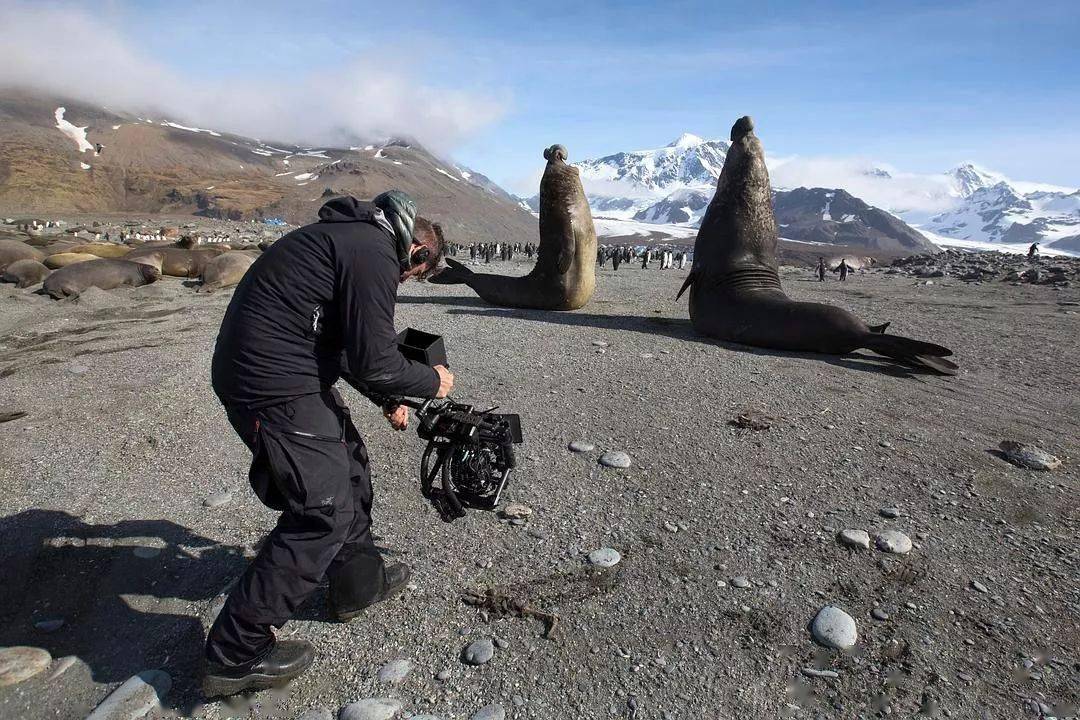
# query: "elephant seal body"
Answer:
x=25 y=273
x=564 y=277
x=14 y=250
x=102 y=250
x=59 y=260
x=735 y=292
x=225 y=270
x=176 y=262
x=102 y=273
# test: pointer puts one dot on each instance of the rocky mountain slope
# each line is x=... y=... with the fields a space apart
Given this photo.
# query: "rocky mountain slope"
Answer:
x=49 y=163
x=837 y=217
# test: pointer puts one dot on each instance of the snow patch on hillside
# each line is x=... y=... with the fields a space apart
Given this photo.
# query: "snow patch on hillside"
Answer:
x=448 y=175
x=177 y=126
x=77 y=134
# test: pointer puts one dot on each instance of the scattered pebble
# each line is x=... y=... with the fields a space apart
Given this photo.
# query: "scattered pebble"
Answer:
x=893 y=541
x=855 y=538
x=49 y=626
x=879 y=614
x=135 y=698
x=979 y=586
x=605 y=557
x=19 y=663
x=671 y=527
x=370 y=709
x=1028 y=456
x=740 y=581
x=501 y=644
x=490 y=712
x=615 y=459
x=395 y=671
x=892 y=512
x=811 y=672
x=516 y=511
x=580 y=446
x=479 y=652
x=834 y=628
x=217 y=499
x=443 y=675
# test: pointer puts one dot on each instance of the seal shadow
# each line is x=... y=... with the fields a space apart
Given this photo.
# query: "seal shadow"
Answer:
x=122 y=614
x=682 y=329
x=456 y=300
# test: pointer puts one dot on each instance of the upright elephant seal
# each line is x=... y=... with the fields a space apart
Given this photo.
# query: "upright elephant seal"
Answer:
x=102 y=273
x=225 y=271
x=25 y=273
x=565 y=273
x=735 y=291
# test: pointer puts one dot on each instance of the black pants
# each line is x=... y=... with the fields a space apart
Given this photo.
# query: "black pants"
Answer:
x=309 y=462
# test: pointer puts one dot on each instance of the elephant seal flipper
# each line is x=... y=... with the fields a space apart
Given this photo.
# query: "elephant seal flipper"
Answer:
x=564 y=277
x=735 y=290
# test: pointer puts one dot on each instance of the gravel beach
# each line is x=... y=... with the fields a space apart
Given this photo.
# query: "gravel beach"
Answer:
x=126 y=512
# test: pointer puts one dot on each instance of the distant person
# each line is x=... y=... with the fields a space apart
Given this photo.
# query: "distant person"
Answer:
x=1033 y=251
x=843 y=268
x=821 y=269
x=616 y=258
x=316 y=307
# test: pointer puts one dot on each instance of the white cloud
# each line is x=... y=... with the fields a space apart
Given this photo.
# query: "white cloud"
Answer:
x=70 y=52
x=900 y=192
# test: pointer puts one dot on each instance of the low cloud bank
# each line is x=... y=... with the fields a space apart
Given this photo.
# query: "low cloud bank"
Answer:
x=66 y=51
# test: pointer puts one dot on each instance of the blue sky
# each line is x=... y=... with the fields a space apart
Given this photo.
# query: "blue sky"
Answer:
x=918 y=85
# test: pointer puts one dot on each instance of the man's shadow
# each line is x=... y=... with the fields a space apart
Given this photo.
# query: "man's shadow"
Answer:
x=677 y=329
x=122 y=611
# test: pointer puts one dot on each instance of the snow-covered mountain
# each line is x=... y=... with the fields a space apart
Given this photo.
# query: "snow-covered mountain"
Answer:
x=668 y=185
x=672 y=185
x=992 y=208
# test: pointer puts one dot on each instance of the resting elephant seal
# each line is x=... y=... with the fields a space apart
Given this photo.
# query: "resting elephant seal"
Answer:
x=565 y=273
x=12 y=250
x=64 y=259
x=735 y=291
x=101 y=273
x=102 y=250
x=176 y=262
x=225 y=271
x=25 y=273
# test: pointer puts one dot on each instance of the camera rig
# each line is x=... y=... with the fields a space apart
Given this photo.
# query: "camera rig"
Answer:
x=470 y=452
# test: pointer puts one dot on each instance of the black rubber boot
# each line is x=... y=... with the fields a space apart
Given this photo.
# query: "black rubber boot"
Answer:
x=395 y=578
x=286 y=661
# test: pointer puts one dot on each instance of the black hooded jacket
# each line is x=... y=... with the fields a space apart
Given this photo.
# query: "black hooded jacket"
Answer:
x=317 y=305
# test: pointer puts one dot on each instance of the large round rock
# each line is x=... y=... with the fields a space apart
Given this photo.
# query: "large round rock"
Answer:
x=832 y=627
x=21 y=663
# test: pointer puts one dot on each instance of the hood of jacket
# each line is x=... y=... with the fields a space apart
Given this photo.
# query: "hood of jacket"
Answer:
x=347 y=209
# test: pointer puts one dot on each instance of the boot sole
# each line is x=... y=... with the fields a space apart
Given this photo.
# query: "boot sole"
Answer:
x=217 y=686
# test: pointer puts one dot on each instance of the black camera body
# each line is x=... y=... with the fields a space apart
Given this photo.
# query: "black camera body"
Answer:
x=471 y=452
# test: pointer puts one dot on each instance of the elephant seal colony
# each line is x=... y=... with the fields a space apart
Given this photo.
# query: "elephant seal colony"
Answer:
x=104 y=273
x=735 y=291
x=564 y=277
